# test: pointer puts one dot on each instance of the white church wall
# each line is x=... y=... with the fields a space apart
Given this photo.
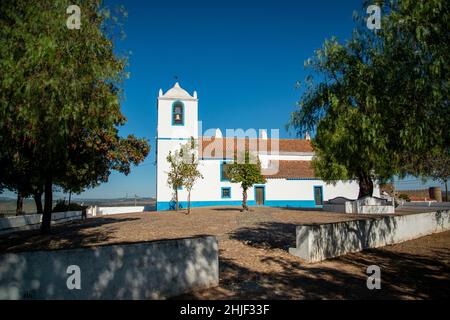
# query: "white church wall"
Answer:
x=286 y=157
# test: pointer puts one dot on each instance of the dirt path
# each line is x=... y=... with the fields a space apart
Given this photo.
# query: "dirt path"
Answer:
x=254 y=262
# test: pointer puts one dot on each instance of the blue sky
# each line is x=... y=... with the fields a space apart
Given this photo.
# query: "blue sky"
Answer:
x=242 y=57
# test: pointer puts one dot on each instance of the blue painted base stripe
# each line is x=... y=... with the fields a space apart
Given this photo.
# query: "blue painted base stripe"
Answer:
x=170 y=205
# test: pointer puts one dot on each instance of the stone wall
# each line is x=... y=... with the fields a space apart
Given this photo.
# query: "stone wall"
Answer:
x=319 y=242
x=33 y=221
x=149 y=270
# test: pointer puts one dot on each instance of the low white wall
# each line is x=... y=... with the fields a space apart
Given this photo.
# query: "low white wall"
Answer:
x=33 y=221
x=118 y=210
x=421 y=204
x=149 y=270
x=319 y=242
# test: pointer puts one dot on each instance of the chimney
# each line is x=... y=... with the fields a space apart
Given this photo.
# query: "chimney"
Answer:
x=263 y=134
x=307 y=136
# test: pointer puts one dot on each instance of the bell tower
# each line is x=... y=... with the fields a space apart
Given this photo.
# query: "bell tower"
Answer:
x=177 y=114
x=177 y=123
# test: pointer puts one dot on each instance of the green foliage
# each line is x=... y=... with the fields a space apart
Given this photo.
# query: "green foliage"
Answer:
x=183 y=169
x=247 y=172
x=175 y=174
x=403 y=196
x=60 y=94
x=62 y=206
x=436 y=165
x=189 y=168
x=382 y=101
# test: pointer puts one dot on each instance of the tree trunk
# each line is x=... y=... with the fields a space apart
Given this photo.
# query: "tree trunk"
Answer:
x=48 y=204
x=176 y=199
x=244 y=200
x=38 y=201
x=19 y=205
x=70 y=198
x=365 y=185
x=446 y=190
x=189 y=202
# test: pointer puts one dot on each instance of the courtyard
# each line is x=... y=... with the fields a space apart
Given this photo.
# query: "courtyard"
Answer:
x=254 y=260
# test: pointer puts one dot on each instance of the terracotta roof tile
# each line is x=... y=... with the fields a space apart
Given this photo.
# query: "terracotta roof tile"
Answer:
x=291 y=170
x=212 y=147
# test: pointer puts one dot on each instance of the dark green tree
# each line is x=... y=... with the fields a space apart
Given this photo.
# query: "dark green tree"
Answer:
x=247 y=172
x=382 y=99
x=60 y=95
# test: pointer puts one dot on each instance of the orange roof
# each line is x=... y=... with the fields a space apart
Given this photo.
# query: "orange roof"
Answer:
x=227 y=147
x=291 y=170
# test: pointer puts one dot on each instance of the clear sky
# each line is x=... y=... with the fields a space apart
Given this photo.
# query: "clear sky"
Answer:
x=242 y=57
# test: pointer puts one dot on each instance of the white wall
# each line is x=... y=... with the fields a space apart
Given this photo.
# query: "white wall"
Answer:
x=146 y=270
x=33 y=221
x=265 y=158
x=323 y=241
x=118 y=210
x=209 y=188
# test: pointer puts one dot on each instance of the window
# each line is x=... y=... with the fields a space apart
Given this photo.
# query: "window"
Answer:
x=226 y=192
x=178 y=114
x=224 y=171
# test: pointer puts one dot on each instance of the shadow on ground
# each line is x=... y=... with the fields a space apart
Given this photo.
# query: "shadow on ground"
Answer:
x=425 y=275
x=75 y=234
x=403 y=276
x=267 y=235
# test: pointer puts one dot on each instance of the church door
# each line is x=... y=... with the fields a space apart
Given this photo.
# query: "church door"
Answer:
x=259 y=193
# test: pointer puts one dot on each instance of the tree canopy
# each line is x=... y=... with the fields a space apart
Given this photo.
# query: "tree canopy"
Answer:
x=381 y=101
x=247 y=172
x=60 y=93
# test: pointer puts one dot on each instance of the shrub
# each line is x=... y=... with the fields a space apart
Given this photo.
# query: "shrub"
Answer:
x=404 y=197
x=62 y=206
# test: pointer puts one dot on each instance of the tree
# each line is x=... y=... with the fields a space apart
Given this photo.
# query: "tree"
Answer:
x=183 y=170
x=189 y=169
x=175 y=174
x=437 y=166
x=60 y=96
x=382 y=101
x=247 y=172
x=349 y=141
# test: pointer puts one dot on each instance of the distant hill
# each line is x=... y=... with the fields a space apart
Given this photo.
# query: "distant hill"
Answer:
x=8 y=205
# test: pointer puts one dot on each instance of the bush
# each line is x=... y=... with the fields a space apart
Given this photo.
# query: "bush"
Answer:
x=404 y=197
x=62 y=206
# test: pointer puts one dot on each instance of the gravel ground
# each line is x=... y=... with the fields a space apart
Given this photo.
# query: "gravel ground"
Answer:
x=254 y=262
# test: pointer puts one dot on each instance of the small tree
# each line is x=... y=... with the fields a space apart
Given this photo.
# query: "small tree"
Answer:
x=189 y=169
x=175 y=176
x=247 y=173
x=183 y=170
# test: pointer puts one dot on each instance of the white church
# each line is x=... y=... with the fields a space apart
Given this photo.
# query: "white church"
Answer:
x=286 y=163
